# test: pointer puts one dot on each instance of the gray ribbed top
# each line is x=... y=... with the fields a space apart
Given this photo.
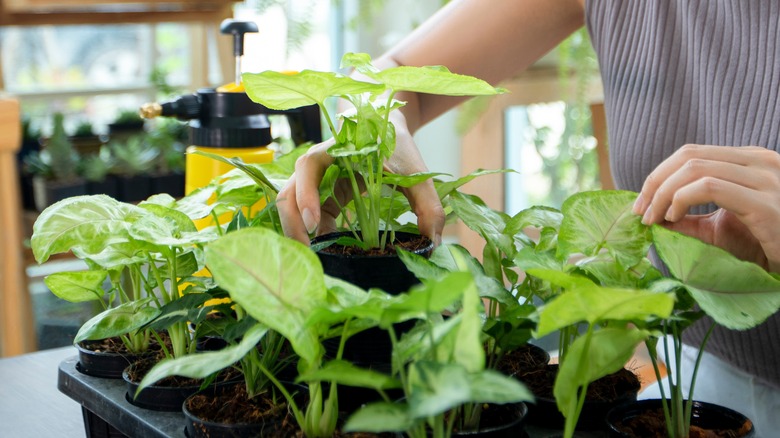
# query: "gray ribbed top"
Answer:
x=692 y=71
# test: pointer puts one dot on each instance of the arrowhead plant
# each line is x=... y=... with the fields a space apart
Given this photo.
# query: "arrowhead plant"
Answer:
x=365 y=136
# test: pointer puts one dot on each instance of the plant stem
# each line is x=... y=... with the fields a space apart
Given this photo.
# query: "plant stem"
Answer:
x=571 y=420
x=699 y=355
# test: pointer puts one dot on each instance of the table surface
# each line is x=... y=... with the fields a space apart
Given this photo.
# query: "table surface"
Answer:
x=30 y=403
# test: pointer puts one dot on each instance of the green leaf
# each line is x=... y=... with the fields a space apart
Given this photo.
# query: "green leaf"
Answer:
x=538 y=216
x=394 y=179
x=254 y=172
x=490 y=386
x=735 y=293
x=344 y=373
x=430 y=79
x=444 y=189
x=436 y=388
x=424 y=299
x=282 y=91
x=360 y=62
x=77 y=286
x=380 y=417
x=202 y=365
x=277 y=280
x=434 y=80
x=118 y=321
x=603 y=220
x=585 y=301
x=422 y=267
x=181 y=221
x=178 y=310
x=606 y=352
x=87 y=223
x=487 y=222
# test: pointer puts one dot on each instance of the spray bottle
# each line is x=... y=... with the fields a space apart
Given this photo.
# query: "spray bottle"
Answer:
x=225 y=122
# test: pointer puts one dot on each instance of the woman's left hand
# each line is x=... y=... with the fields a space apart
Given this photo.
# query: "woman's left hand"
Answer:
x=743 y=181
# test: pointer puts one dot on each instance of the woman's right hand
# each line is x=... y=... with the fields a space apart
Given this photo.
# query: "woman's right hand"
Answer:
x=299 y=200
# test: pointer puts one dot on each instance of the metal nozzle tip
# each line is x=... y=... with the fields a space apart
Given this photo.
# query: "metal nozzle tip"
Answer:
x=150 y=110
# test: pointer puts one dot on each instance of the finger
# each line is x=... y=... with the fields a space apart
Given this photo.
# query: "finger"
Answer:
x=735 y=198
x=310 y=168
x=698 y=169
x=425 y=203
x=286 y=205
x=743 y=156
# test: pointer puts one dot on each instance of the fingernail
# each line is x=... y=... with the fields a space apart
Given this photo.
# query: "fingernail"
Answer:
x=437 y=240
x=308 y=221
x=637 y=205
x=646 y=219
x=668 y=216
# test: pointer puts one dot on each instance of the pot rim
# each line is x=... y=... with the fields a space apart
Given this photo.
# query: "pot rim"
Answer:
x=336 y=234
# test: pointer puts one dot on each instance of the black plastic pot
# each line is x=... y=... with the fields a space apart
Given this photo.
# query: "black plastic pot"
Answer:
x=513 y=428
x=195 y=427
x=704 y=415
x=108 y=186
x=593 y=416
x=162 y=398
x=133 y=188
x=47 y=192
x=170 y=183
x=388 y=273
x=104 y=364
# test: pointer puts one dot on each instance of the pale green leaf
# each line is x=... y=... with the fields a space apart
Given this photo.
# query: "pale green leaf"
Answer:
x=584 y=301
x=468 y=349
x=344 y=373
x=603 y=219
x=117 y=321
x=380 y=417
x=606 y=352
x=436 y=388
x=735 y=293
x=77 y=286
x=282 y=91
x=202 y=365
x=88 y=223
x=490 y=386
x=434 y=80
x=277 y=280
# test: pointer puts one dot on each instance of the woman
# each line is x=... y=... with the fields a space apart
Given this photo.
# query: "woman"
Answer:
x=692 y=92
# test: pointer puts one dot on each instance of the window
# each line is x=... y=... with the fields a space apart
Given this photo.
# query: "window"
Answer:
x=91 y=72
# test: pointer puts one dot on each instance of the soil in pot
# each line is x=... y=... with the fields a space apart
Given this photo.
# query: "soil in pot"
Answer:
x=107 y=358
x=526 y=359
x=645 y=419
x=230 y=413
x=603 y=395
x=169 y=393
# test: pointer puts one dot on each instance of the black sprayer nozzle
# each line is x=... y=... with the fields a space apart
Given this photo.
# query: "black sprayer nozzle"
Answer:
x=238 y=29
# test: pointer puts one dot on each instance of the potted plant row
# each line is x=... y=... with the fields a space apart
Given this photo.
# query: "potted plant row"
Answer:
x=129 y=170
x=584 y=275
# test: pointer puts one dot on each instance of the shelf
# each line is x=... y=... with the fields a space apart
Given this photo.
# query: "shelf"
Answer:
x=37 y=12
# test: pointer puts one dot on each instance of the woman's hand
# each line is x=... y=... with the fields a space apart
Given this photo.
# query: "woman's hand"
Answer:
x=743 y=181
x=299 y=201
